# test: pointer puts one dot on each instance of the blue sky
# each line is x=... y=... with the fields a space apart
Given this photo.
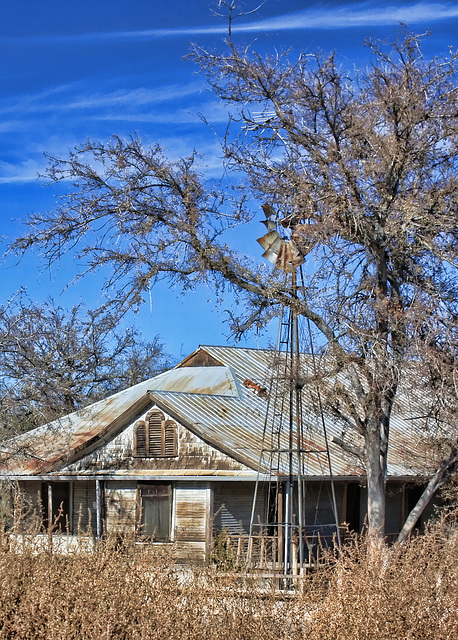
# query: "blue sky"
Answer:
x=74 y=70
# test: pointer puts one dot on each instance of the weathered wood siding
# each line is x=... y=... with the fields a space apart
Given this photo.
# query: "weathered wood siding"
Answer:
x=120 y=506
x=190 y=515
x=191 y=520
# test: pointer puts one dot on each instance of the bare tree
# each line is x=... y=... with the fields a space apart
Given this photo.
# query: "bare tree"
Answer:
x=360 y=167
x=54 y=361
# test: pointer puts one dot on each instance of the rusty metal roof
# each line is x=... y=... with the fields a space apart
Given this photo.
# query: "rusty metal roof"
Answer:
x=212 y=381
x=223 y=405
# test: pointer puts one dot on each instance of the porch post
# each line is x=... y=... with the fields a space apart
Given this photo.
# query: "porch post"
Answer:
x=280 y=520
x=98 y=508
x=208 y=519
x=50 y=522
x=343 y=517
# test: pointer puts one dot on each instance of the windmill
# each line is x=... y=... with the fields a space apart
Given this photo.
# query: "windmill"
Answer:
x=283 y=448
x=283 y=254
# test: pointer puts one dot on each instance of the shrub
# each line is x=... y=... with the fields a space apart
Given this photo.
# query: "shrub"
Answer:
x=105 y=591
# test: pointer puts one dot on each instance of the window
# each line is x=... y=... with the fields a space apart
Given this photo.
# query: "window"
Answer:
x=155 y=504
x=155 y=437
x=56 y=494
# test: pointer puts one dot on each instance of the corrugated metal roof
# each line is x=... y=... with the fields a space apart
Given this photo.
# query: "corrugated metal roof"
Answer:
x=212 y=381
x=220 y=404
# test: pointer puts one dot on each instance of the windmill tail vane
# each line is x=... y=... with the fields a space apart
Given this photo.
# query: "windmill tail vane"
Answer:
x=283 y=254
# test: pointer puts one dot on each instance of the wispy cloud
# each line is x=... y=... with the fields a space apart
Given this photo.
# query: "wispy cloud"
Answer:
x=58 y=118
x=78 y=97
x=329 y=17
x=21 y=172
x=357 y=15
x=138 y=97
x=325 y=17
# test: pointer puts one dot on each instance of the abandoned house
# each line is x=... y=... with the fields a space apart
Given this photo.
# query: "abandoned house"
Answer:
x=177 y=458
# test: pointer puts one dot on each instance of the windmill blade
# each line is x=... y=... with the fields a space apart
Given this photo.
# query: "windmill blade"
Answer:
x=285 y=259
x=270 y=224
x=270 y=213
x=271 y=256
x=297 y=256
x=285 y=255
x=271 y=240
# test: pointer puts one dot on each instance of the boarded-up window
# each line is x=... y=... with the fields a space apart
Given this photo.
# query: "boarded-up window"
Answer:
x=156 y=437
x=155 y=503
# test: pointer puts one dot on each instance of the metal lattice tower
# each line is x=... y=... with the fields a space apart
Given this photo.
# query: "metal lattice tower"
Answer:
x=280 y=480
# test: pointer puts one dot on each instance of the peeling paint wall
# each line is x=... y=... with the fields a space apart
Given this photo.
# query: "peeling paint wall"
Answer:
x=190 y=515
x=191 y=518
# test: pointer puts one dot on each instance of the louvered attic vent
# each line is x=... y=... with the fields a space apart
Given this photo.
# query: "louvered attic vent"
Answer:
x=155 y=437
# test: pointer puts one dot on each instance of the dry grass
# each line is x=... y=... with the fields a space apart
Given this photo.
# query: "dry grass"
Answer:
x=131 y=592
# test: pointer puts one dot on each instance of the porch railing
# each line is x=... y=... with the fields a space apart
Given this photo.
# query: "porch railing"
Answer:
x=263 y=552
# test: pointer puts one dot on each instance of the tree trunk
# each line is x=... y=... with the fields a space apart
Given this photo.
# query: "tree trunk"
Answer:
x=433 y=485
x=375 y=486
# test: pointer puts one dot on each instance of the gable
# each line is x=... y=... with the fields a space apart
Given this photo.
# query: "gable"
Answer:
x=200 y=358
x=50 y=446
x=58 y=444
x=119 y=456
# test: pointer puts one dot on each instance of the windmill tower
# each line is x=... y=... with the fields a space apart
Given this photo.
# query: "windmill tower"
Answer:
x=284 y=449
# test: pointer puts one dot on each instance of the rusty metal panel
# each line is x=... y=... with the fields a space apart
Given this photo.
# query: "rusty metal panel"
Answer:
x=50 y=446
x=213 y=381
x=237 y=429
x=406 y=433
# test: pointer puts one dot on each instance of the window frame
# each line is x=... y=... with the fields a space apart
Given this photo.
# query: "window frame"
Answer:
x=142 y=495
